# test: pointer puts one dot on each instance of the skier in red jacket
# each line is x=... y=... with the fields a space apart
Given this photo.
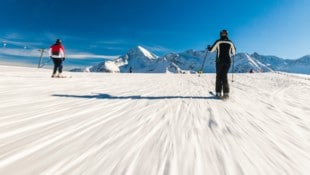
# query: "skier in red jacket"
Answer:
x=57 y=54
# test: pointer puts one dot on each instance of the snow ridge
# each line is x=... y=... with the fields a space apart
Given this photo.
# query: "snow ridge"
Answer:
x=147 y=53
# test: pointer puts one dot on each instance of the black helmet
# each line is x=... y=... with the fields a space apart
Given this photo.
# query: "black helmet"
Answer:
x=224 y=33
x=58 y=41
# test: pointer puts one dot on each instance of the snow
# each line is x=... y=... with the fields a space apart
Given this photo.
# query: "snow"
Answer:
x=146 y=53
x=99 y=123
x=111 y=66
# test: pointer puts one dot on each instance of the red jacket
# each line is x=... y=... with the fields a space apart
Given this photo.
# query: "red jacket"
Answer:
x=57 y=51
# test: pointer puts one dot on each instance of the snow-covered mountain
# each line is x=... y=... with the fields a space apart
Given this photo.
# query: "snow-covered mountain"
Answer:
x=243 y=62
x=273 y=62
x=190 y=60
x=137 y=58
x=300 y=65
x=140 y=60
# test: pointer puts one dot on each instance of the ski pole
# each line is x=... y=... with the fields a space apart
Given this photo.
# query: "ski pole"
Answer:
x=203 y=63
x=45 y=63
x=233 y=68
x=40 y=59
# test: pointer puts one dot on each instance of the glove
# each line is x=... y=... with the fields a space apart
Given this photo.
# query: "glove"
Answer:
x=63 y=59
x=209 y=48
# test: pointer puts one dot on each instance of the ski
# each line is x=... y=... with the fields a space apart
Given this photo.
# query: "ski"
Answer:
x=218 y=97
x=63 y=76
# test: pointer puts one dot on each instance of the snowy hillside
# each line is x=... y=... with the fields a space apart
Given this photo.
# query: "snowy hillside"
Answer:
x=244 y=63
x=300 y=66
x=152 y=124
x=272 y=62
x=143 y=61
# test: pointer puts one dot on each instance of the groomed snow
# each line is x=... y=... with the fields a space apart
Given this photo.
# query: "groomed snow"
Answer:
x=152 y=124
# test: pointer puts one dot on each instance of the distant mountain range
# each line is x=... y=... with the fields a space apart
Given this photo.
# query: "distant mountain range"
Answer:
x=140 y=60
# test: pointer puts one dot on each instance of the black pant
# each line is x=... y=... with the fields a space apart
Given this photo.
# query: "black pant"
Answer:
x=221 y=77
x=57 y=65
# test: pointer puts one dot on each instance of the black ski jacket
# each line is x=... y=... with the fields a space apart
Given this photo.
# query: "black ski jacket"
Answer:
x=225 y=49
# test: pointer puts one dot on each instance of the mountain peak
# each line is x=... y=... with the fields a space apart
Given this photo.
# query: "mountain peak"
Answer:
x=255 y=54
x=140 y=51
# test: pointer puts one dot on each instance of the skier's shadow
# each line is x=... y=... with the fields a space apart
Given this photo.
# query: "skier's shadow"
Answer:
x=133 y=97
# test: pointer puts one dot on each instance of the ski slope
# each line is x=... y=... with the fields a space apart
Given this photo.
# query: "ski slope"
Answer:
x=152 y=124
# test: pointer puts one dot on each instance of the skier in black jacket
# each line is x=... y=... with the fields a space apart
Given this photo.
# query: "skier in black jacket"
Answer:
x=225 y=49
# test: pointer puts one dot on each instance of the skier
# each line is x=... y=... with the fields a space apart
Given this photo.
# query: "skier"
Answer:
x=225 y=49
x=57 y=54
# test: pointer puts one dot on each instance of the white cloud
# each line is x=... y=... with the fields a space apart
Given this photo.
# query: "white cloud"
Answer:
x=37 y=53
x=21 y=44
x=90 y=55
x=13 y=36
x=111 y=42
x=20 y=52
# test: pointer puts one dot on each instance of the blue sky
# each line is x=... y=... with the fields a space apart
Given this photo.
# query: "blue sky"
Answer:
x=111 y=27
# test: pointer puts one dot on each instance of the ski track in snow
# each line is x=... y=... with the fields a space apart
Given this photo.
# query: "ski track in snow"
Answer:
x=154 y=124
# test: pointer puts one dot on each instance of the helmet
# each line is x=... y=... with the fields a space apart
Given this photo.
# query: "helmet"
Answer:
x=224 y=33
x=58 y=41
